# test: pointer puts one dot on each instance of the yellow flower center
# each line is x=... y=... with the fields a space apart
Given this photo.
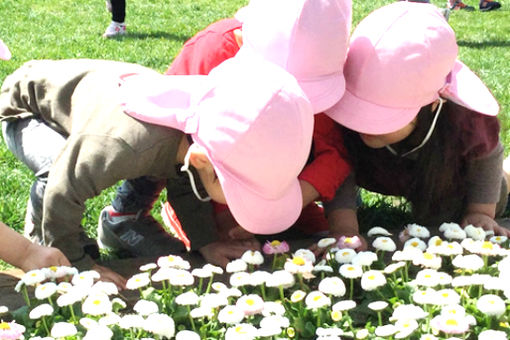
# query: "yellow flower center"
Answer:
x=275 y=243
x=414 y=244
x=5 y=326
x=348 y=240
x=371 y=277
x=250 y=302
x=428 y=256
x=451 y=322
x=345 y=253
x=336 y=315
x=350 y=268
x=298 y=260
x=438 y=242
x=53 y=269
x=487 y=245
x=317 y=298
x=96 y=302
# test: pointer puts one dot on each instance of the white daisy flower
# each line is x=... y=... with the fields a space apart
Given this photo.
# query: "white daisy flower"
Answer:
x=160 y=324
x=242 y=331
x=450 y=249
x=33 y=277
x=449 y=226
x=406 y=254
x=454 y=310
x=372 y=279
x=273 y=308
x=239 y=279
x=435 y=241
x=109 y=319
x=237 y=265
x=274 y=321
x=448 y=297
x=490 y=334
x=253 y=257
x=213 y=269
x=427 y=278
x=3 y=309
x=187 y=335
x=415 y=230
x=88 y=323
x=129 y=321
x=393 y=267
x=377 y=305
x=406 y=312
x=332 y=286
x=426 y=297
x=491 y=305
x=322 y=268
x=97 y=304
x=173 y=261
x=343 y=305
x=213 y=300
x=297 y=296
x=202 y=312
x=415 y=242
x=259 y=277
x=201 y=273
x=63 y=329
x=250 y=304
x=138 y=281
x=444 y=279
x=231 y=315
x=219 y=286
x=316 y=299
x=378 y=231
x=109 y=288
x=386 y=330
x=181 y=277
x=362 y=333
x=428 y=260
x=326 y=242
x=471 y=262
x=455 y=234
x=350 y=271
x=145 y=307
x=99 y=333
x=148 y=267
x=384 y=243
x=498 y=239
x=307 y=254
x=54 y=272
x=476 y=233
x=364 y=258
x=187 y=299
x=73 y=295
x=64 y=287
x=345 y=255
x=428 y=337
x=299 y=265
x=40 y=311
x=405 y=328
x=45 y=290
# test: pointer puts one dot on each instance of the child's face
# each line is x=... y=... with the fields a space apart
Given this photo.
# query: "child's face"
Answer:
x=380 y=141
x=211 y=183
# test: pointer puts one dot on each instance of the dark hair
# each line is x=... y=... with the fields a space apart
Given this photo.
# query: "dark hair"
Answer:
x=434 y=178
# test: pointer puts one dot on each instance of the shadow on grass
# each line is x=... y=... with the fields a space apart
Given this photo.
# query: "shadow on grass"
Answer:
x=483 y=44
x=155 y=35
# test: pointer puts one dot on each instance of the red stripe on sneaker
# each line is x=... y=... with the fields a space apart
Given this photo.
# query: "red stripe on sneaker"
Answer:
x=175 y=225
x=114 y=213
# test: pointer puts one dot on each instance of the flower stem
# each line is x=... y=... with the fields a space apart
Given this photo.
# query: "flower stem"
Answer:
x=45 y=326
x=25 y=295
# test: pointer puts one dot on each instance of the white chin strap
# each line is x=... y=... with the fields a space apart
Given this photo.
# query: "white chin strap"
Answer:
x=427 y=137
x=185 y=168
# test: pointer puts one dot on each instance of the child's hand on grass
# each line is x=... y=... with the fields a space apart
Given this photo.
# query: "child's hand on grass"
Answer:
x=220 y=253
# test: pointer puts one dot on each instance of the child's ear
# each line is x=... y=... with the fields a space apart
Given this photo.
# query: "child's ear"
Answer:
x=197 y=157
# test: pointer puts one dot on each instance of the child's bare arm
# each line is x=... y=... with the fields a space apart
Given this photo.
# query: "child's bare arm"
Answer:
x=20 y=252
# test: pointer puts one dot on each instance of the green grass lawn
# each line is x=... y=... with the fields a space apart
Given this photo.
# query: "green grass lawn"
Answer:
x=61 y=29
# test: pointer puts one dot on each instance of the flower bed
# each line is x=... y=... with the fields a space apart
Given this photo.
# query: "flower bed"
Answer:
x=454 y=286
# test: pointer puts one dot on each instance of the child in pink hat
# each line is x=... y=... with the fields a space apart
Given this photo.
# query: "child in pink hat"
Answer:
x=17 y=250
x=285 y=32
x=240 y=136
x=418 y=123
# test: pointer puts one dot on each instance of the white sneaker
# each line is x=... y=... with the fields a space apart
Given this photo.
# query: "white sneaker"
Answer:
x=114 y=29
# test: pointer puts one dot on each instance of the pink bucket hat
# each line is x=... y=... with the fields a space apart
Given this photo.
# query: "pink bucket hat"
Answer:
x=402 y=57
x=308 y=38
x=5 y=54
x=253 y=120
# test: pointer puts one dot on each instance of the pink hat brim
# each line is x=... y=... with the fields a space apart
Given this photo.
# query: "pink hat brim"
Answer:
x=5 y=54
x=465 y=88
x=325 y=92
x=365 y=117
x=257 y=214
x=163 y=100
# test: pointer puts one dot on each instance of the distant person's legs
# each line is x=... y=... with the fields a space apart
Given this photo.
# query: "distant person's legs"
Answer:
x=117 y=26
x=488 y=5
x=458 y=4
